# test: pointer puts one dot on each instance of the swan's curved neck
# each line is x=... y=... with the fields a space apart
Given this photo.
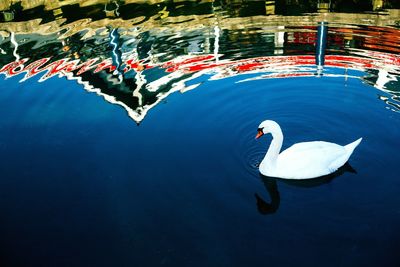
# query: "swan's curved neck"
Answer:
x=275 y=147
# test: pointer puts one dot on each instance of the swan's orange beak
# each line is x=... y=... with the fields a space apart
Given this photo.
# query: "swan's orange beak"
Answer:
x=259 y=134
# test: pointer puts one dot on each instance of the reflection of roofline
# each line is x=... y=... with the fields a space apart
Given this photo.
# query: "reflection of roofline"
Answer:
x=361 y=60
x=271 y=66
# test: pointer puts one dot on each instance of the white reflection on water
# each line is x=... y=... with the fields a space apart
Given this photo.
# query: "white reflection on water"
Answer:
x=137 y=69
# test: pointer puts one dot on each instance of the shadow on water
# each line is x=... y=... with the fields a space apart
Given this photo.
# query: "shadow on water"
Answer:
x=271 y=186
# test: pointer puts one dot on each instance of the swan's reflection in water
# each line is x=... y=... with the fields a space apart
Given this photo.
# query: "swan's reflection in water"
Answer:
x=271 y=186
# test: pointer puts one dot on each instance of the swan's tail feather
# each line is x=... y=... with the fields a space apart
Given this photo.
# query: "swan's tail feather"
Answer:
x=350 y=147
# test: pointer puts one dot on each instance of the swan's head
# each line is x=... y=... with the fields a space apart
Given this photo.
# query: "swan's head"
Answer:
x=267 y=127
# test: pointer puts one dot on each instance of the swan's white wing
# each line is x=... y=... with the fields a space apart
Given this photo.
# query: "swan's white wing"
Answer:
x=310 y=159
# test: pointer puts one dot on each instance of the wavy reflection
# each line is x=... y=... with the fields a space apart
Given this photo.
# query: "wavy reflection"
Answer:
x=270 y=184
x=135 y=55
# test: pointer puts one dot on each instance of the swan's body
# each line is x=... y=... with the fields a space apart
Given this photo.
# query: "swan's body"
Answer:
x=302 y=160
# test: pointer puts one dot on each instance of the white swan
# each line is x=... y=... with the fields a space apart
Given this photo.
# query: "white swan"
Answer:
x=302 y=160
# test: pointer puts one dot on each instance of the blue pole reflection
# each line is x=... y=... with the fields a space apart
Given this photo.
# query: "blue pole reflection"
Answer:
x=321 y=46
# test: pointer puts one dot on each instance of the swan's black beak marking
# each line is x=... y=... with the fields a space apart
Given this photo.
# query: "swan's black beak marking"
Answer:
x=259 y=133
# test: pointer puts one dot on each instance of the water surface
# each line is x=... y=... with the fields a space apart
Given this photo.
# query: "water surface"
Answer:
x=129 y=139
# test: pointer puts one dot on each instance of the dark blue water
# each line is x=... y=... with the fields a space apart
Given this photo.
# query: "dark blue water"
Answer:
x=82 y=185
x=127 y=134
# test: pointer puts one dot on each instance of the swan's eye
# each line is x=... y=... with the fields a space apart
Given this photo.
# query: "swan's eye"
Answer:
x=260 y=130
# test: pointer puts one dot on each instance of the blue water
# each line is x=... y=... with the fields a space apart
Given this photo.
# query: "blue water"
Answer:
x=83 y=185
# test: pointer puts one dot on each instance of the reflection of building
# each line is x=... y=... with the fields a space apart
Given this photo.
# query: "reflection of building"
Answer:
x=147 y=85
x=91 y=20
x=162 y=54
x=53 y=4
x=73 y=10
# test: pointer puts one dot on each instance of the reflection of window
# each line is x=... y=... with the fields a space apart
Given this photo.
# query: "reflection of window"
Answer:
x=324 y=5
